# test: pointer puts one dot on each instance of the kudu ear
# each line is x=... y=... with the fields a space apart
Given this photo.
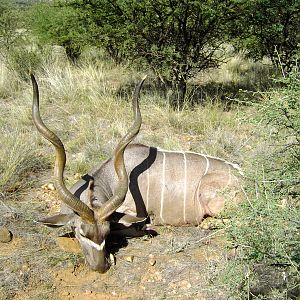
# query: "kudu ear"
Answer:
x=57 y=220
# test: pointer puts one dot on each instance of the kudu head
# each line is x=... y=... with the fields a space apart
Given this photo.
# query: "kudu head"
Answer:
x=91 y=223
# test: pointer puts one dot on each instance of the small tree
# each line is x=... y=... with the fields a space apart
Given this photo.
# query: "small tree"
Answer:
x=175 y=38
x=9 y=26
x=13 y=38
x=270 y=28
x=53 y=23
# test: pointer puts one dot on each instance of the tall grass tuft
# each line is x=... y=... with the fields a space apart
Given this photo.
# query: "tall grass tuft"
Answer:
x=18 y=160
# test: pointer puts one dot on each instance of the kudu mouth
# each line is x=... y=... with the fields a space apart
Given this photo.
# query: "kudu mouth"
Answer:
x=97 y=259
x=95 y=253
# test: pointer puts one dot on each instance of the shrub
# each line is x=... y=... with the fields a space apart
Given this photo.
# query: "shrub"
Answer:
x=270 y=28
x=22 y=60
x=175 y=39
x=265 y=230
x=17 y=161
x=54 y=24
x=10 y=22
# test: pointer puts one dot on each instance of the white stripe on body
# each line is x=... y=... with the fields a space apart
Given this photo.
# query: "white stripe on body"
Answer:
x=198 y=204
x=207 y=164
x=163 y=187
x=235 y=166
x=185 y=187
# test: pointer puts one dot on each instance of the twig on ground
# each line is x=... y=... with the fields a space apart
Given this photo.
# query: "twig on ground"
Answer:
x=210 y=235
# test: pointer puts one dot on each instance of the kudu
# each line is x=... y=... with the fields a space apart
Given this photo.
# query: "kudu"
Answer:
x=139 y=185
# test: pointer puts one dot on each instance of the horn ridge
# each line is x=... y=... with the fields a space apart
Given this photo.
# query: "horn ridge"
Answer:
x=118 y=198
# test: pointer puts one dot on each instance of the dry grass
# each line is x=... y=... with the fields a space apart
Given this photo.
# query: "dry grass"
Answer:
x=84 y=107
x=240 y=71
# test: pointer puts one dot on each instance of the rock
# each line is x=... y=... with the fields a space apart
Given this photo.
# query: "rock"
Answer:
x=112 y=259
x=5 y=235
x=77 y=176
x=129 y=258
x=51 y=187
x=48 y=187
x=151 y=260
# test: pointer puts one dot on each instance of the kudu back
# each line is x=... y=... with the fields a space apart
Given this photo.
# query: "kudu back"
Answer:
x=137 y=186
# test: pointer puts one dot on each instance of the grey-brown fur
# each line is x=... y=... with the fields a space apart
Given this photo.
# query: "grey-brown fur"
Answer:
x=195 y=185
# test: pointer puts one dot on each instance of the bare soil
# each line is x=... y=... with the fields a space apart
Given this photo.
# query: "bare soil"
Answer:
x=179 y=263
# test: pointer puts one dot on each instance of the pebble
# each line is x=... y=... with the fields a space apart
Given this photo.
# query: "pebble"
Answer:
x=48 y=187
x=77 y=176
x=151 y=260
x=129 y=258
x=51 y=187
x=112 y=259
x=5 y=235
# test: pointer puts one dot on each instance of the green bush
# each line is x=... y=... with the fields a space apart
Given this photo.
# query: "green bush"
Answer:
x=22 y=60
x=265 y=229
x=270 y=28
x=54 y=24
x=15 y=44
x=174 y=39
x=10 y=24
x=283 y=113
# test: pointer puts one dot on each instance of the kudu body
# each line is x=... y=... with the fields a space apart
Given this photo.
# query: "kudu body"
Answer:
x=138 y=185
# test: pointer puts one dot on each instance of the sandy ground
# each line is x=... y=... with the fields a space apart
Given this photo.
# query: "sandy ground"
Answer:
x=179 y=263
